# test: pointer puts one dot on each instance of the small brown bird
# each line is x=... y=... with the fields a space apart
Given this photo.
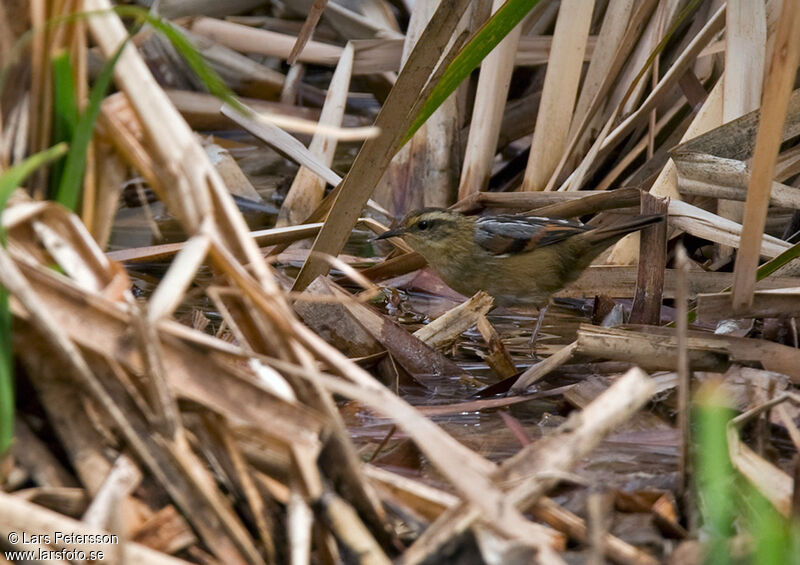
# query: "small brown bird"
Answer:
x=518 y=260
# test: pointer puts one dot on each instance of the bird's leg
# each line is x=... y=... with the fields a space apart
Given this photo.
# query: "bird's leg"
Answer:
x=532 y=344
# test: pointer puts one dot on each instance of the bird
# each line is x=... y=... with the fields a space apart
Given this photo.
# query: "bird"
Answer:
x=521 y=261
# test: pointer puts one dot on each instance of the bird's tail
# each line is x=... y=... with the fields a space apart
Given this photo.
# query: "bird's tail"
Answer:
x=623 y=228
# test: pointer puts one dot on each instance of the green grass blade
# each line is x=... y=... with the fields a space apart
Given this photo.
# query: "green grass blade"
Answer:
x=13 y=177
x=770 y=531
x=69 y=188
x=65 y=109
x=9 y=181
x=715 y=474
x=207 y=75
x=470 y=56
x=64 y=103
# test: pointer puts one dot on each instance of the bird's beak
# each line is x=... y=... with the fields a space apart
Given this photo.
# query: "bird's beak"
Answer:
x=396 y=232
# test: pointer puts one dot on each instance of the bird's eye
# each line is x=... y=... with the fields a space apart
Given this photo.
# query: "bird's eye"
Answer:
x=423 y=224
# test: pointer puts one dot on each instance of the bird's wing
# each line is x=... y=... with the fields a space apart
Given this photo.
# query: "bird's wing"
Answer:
x=509 y=235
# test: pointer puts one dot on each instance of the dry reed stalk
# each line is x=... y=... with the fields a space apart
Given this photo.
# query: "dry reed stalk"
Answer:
x=651 y=351
x=124 y=477
x=704 y=224
x=487 y=114
x=658 y=17
x=180 y=275
x=646 y=307
x=746 y=38
x=466 y=470
x=314 y=14
x=220 y=438
x=555 y=204
x=373 y=56
x=497 y=357
x=696 y=221
x=619 y=281
x=264 y=42
x=244 y=75
x=777 y=91
x=684 y=369
x=791 y=427
x=423 y=173
x=291 y=87
x=277 y=138
x=110 y=178
x=612 y=32
x=334 y=323
x=710 y=350
x=527 y=475
x=376 y=153
x=67 y=241
x=19 y=515
x=307 y=188
x=445 y=329
x=714 y=25
x=231 y=173
x=359 y=20
x=202 y=111
x=608 y=138
x=39 y=115
x=110 y=325
x=300 y=523
x=350 y=532
x=161 y=121
x=594 y=118
x=208 y=513
x=161 y=402
x=736 y=139
x=542 y=368
x=264 y=238
x=533 y=50
x=612 y=177
x=260 y=466
x=560 y=92
x=773 y=483
x=563 y=520
x=778 y=303
x=716 y=177
x=179 y=8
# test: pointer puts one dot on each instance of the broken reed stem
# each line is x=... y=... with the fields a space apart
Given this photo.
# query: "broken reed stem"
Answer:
x=652 y=260
x=778 y=89
x=314 y=14
x=684 y=379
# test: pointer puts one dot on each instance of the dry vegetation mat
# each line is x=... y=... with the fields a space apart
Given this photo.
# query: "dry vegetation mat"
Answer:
x=208 y=354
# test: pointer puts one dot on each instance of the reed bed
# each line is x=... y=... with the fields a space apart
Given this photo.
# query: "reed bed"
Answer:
x=206 y=358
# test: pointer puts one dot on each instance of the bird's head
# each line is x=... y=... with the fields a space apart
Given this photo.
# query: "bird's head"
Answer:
x=432 y=230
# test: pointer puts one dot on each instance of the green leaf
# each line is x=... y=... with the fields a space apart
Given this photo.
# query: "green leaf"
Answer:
x=772 y=534
x=715 y=474
x=9 y=181
x=470 y=56
x=13 y=177
x=69 y=188
x=65 y=109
